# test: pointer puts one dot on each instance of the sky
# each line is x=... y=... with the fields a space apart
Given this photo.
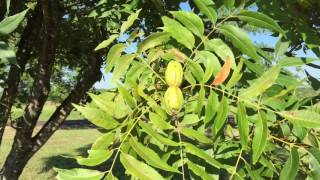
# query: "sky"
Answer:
x=259 y=38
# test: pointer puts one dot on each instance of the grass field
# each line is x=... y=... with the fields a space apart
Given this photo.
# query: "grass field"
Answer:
x=47 y=111
x=63 y=142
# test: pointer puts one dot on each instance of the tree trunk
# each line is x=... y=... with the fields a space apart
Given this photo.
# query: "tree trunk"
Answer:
x=22 y=147
x=28 y=39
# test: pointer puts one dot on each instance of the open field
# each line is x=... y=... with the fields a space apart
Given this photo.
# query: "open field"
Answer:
x=48 y=110
x=63 y=142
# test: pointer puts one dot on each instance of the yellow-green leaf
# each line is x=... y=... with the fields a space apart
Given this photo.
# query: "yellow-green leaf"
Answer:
x=10 y=23
x=146 y=127
x=243 y=125
x=290 y=169
x=221 y=49
x=113 y=55
x=153 y=40
x=122 y=66
x=78 y=174
x=159 y=121
x=207 y=8
x=127 y=96
x=95 y=157
x=151 y=157
x=197 y=135
x=98 y=117
x=221 y=116
x=138 y=168
x=240 y=39
x=260 y=20
x=261 y=84
x=260 y=137
x=127 y=24
x=203 y=155
x=107 y=42
x=304 y=118
x=178 y=32
x=190 y=20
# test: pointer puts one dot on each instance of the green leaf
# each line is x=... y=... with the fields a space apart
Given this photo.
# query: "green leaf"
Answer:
x=6 y=53
x=189 y=77
x=304 y=118
x=127 y=24
x=122 y=66
x=200 y=101
x=201 y=154
x=127 y=96
x=196 y=70
x=157 y=136
x=260 y=137
x=97 y=117
x=221 y=116
x=254 y=67
x=212 y=106
x=296 y=61
x=159 y=121
x=190 y=20
x=153 y=40
x=10 y=23
x=221 y=49
x=114 y=55
x=103 y=101
x=138 y=168
x=178 y=32
x=78 y=174
x=240 y=40
x=260 y=20
x=281 y=48
x=229 y=3
x=189 y=119
x=103 y=141
x=135 y=72
x=207 y=8
x=107 y=42
x=193 y=134
x=150 y=156
x=243 y=125
x=199 y=171
x=314 y=158
x=261 y=84
x=211 y=63
x=236 y=75
x=95 y=157
x=290 y=169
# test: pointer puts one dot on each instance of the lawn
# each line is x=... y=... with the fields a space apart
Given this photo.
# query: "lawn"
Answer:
x=63 y=143
x=47 y=111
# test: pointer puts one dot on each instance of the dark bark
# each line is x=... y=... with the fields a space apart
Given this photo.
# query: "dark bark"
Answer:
x=22 y=145
x=25 y=46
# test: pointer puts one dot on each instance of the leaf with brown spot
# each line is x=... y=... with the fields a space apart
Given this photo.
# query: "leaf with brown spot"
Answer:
x=223 y=73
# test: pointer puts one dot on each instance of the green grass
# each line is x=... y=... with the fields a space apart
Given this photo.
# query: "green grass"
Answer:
x=63 y=142
x=47 y=111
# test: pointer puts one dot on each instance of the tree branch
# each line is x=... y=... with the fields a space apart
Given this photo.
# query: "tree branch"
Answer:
x=92 y=75
x=25 y=46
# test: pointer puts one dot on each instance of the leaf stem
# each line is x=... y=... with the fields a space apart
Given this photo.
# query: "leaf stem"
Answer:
x=181 y=149
x=236 y=166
